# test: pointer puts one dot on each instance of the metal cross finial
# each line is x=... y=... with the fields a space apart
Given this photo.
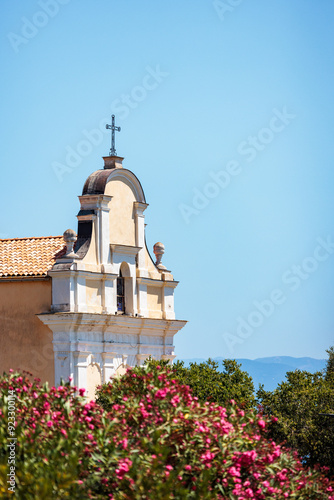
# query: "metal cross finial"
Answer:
x=112 y=127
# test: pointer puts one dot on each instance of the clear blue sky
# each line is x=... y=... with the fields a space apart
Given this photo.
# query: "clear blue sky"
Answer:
x=227 y=119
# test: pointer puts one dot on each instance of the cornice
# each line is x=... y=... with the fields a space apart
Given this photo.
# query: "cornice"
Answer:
x=108 y=323
x=159 y=283
x=24 y=278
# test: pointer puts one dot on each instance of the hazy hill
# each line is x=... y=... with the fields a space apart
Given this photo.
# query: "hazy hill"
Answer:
x=271 y=371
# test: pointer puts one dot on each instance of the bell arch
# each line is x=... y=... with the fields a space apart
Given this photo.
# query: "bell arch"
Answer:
x=126 y=284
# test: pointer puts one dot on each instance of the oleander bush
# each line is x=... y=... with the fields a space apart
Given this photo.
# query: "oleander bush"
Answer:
x=157 y=441
x=205 y=380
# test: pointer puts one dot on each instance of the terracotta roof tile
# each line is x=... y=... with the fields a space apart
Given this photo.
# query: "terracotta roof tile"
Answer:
x=29 y=256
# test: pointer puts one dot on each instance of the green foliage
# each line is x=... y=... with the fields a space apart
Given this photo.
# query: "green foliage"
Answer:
x=298 y=404
x=206 y=382
x=329 y=374
x=156 y=441
x=209 y=384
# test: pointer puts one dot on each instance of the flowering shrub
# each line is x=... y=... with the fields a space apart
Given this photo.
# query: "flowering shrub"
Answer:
x=52 y=432
x=156 y=442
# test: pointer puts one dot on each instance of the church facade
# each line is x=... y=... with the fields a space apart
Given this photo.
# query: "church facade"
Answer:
x=93 y=302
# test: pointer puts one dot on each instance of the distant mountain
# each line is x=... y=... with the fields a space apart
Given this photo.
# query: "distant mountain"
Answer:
x=271 y=371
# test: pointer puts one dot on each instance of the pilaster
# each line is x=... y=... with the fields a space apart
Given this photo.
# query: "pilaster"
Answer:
x=108 y=365
x=139 y=209
x=80 y=368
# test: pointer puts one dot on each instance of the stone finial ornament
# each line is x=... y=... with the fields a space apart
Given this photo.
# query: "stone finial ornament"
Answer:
x=159 y=250
x=70 y=237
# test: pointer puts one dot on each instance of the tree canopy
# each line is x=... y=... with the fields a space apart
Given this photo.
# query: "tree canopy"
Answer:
x=303 y=404
x=208 y=383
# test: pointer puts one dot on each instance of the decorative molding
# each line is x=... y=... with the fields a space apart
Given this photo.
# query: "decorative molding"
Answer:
x=86 y=217
x=153 y=282
x=25 y=278
x=139 y=208
x=94 y=201
x=104 y=323
x=126 y=175
x=125 y=249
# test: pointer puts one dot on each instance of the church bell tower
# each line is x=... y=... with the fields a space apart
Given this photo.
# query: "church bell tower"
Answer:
x=112 y=304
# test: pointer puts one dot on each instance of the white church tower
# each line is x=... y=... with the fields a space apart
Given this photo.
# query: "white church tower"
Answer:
x=112 y=305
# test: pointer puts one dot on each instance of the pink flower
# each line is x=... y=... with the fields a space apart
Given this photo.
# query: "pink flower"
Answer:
x=188 y=467
x=161 y=394
x=277 y=452
x=234 y=472
x=246 y=458
x=123 y=468
x=82 y=391
x=64 y=433
x=207 y=457
x=49 y=423
x=261 y=423
x=175 y=400
x=169 y=467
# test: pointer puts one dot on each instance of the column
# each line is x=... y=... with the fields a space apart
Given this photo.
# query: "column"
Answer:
x=108 y=366
x=139 y=209
x=80 y=369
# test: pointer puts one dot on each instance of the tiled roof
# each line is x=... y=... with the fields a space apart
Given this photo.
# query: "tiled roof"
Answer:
x=29 y=256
